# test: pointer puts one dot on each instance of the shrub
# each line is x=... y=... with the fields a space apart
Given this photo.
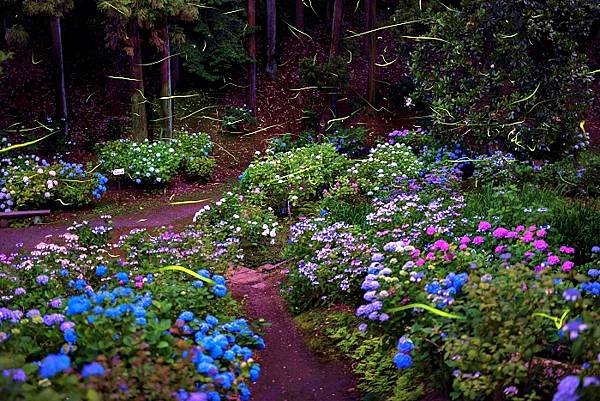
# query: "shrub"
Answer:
x=199 y=167
x=325 y=76
x=513 y=76
x=331 y=261
x=156 y=163
x=235 y=118
x=28 y=182
x=292 y=178
x=90 y=323
x=385 y=165
x=214 y=47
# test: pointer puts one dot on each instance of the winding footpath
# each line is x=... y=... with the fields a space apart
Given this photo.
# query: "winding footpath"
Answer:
x=290 y=371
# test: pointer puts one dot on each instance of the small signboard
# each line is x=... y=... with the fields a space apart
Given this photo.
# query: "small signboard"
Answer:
x=118 y=171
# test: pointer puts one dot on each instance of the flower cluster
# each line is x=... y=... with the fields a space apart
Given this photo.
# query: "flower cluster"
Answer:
x=97 y=313
x=29 y=182
x=156 y=163
x=384 y=166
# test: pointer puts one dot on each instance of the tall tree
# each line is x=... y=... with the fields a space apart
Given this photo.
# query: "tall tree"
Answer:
x=166 y=90
x=55 y=10
x=252 y=55
x=271 y=69
x=334 y=49
x=371 y=19
x=151 y=16
x=300 y=14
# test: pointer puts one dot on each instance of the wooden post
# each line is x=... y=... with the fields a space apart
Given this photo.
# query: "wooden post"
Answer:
x=271 y=69
x=252 y=55
x=61 y=92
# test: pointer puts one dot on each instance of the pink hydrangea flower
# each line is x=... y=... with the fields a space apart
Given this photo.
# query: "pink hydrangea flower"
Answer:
x=478 y=240
x=500 y=232
x=520 y=228
x=541 y=233
x=430 y=256
x=484 y=226
x=553 y=260
x=512 y=234
x=420 y=262
x=527 y=237
x=567 y=249
x=567 y=266
x=441 y=245
x=465 y=239
x=540 y=245
x=430 y=230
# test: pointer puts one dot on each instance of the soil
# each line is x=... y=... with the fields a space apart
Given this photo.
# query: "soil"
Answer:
x=290 y=372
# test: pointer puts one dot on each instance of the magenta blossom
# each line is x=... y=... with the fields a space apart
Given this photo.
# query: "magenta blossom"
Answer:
x=430 y=230
x=567 y=249
x=567 y=266
x=484 y=226
x=441 y=245
x=553 y=260
x=478 y=240
x=500 y=232
x=540 y=245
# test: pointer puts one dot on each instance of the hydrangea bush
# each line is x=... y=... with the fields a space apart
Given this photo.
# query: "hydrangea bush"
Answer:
x=78 y=321
x=156 y=163
x=28 y=182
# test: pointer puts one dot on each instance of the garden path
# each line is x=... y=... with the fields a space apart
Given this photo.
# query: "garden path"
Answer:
x=157 y=216
x=289 y=370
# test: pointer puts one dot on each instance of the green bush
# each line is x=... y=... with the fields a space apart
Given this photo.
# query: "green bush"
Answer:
x=292 y=178
x=214 y=46
x=156 y=163
x=235 y=119
x=199 y=167
x=385 y=165
x=509 y=73
x=325 y=76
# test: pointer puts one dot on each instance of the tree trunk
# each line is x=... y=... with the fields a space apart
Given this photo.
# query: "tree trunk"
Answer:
x=336 y=27
x=300 y=14
x=165 y=85
x=139 y=121
x=252 y=55
x=61 y=92
x=336 y=34
x=371 y=46
x=271 y=69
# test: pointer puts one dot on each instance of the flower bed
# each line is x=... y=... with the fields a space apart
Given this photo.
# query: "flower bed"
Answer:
x=28 y=182
x=78 y=321
x=156 y=163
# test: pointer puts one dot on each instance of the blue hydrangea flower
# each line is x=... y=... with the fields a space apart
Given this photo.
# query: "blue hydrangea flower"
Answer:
x=92 y=369
x=101 y=270
x=403 y=361
x=54 y=364
x=78 y=304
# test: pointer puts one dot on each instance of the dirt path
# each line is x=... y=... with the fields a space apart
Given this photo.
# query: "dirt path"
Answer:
x=290 y=372
x=157 y=216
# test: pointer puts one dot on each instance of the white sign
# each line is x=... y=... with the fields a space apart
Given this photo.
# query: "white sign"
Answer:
x=118 y=171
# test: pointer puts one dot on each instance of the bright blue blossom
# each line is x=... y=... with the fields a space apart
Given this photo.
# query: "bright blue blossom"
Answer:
x=92 y=369
x=54 y=364
x=78 y=304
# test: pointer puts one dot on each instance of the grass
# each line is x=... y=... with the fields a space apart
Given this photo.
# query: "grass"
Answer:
x=572 y=221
